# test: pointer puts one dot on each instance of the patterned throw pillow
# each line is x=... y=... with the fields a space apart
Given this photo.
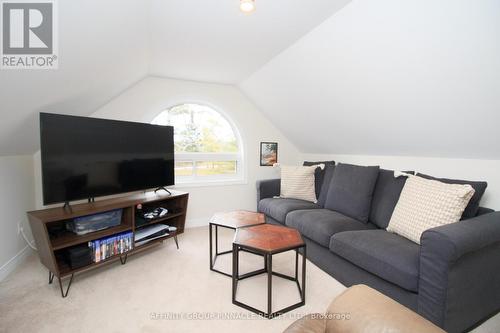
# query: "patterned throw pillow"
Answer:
x=297 y=182
x=425 y=204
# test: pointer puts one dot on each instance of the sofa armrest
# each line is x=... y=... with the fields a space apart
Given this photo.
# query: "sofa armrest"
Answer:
x=459 y=283
x=311 y=323
x=268 y=188
x=363 y=309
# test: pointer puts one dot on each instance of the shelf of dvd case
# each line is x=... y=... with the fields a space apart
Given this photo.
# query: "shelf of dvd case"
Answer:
x=63 y=252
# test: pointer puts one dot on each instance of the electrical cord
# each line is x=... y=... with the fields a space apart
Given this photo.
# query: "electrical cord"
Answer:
x=21 y=230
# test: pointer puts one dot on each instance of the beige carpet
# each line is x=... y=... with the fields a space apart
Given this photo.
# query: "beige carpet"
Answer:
x=162 y=290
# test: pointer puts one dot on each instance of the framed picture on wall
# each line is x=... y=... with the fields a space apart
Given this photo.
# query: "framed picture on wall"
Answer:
x=268 y=153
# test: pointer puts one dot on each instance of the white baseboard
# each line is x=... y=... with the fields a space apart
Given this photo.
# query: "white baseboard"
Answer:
x=14 y=262
x=195 y=223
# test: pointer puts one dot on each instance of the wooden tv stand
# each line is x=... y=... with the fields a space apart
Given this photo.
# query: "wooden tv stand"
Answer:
x=51 y=246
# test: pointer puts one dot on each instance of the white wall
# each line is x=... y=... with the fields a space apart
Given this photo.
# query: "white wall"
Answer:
x=390 y=77
x=467 y=169
x=16 y=198
x=148 y=98
x=103 y=49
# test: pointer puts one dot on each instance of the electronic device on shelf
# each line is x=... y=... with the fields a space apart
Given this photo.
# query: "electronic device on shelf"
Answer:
x=83 y=158
x=156 y=213
x=150 y=233
x=78 y=256
x=147 y=215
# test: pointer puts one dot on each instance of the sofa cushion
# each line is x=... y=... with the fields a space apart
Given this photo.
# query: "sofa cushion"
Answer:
x=319 y=175
x=478 y=186
x=278 y=208
x=329 y=170
x=385 y=197
x=320 y=224
x=389 y=256
x=351 y=190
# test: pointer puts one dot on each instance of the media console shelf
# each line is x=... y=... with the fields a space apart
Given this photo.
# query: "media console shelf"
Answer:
x=51 y=246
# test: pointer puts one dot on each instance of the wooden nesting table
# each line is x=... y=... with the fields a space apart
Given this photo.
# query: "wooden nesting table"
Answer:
x=230 y=220
x=267 y=240
x=253 y=235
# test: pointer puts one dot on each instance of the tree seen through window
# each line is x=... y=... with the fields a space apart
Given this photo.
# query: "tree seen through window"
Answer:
x=205 y=143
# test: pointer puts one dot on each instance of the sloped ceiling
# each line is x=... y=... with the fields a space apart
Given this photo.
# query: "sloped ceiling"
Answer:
x=213 y=41
x=102 y=51
x=106 y=46
x=391 y=77
x=387 y=77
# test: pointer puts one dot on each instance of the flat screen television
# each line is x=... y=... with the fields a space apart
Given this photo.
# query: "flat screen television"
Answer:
x=88 y=157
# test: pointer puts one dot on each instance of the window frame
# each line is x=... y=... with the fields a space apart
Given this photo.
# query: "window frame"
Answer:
x=196 y=180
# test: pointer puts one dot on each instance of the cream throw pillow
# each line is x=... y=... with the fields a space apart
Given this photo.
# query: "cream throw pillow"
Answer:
x=425 y=204
x=297 y=182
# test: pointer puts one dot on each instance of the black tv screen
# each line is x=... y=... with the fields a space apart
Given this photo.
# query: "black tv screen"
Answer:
x=88 y=157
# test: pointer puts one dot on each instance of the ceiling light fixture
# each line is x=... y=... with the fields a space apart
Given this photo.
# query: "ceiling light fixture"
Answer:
x=247 y=6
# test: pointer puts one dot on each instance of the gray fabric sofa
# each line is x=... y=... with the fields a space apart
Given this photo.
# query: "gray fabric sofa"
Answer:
x=452 y=278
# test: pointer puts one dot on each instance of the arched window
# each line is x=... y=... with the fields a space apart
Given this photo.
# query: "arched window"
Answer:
x=207 y=146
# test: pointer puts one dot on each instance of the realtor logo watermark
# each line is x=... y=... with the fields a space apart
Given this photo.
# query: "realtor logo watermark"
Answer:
x=29 y=34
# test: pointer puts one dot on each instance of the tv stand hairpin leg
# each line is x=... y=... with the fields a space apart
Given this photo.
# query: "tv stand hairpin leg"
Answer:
x=124 y=260
x=164 y=189
x=63 y=293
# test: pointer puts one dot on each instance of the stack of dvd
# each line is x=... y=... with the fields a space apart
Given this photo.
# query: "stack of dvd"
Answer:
x=105 y=248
